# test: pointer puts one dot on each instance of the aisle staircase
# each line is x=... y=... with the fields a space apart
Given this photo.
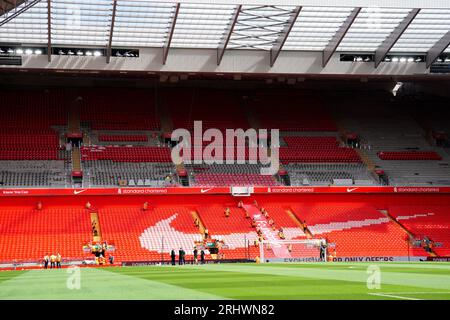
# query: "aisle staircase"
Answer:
x=299 y=222
x=202 y=226
x=279 y=250
x=96 y=229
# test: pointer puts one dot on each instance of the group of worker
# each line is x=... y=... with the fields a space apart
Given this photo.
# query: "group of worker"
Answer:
x=54 y=260
x=182 y=256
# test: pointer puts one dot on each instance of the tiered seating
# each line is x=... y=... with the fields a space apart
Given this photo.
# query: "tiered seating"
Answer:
x=33 y=154
x=217 y=180
x=290 y=112
x=313 y=142
x=432 y=222
x=243 y=153
x=26 y=132
x=218 y=109
x=27 y=234
x=393 y=129
x=326 y=173
x=213 y=216
x=128 y=229
x=108 y=173
x=119 y=109
x=127 y=154
x=339 y=154
x=409 y=155
x=374 y=241
x=278 y=213
x=122 y=138
x=316 y=149
x=356 y=228
x=235 y=230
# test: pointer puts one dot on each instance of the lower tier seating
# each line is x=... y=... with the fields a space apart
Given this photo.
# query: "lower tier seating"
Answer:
x=432 y=222
x=353 y=228
x=356 y=228
x=27 y=234
x=143 y=236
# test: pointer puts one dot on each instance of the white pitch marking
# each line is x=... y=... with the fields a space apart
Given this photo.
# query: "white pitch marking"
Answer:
x=392 y=296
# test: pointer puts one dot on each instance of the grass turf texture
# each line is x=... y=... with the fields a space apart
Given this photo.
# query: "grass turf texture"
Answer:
x=399 y=281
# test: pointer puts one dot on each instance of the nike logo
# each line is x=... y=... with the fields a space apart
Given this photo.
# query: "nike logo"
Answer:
x=78 y=192
x=351 y=189
x=205 y=190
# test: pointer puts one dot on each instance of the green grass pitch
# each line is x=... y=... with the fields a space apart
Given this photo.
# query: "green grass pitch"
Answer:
x=399 y=281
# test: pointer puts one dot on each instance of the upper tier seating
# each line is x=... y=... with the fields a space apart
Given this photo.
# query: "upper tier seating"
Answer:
x=122 y=138
x=339 y=154
x=119 y=109
x=325 y=173
x=311 y=142
x=26 y=132
x=315 y=149
x=127 y=154
x=224 y=179
x=108 y=173
x=388 y=127
x=290 y=112
x=218 y=109
x=409 y=155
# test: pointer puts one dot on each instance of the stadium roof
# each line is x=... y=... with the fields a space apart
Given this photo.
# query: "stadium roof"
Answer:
x=357 y=26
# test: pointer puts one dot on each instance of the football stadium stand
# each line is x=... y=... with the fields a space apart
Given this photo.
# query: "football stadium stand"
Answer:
x=127 y=147
x=352 y=226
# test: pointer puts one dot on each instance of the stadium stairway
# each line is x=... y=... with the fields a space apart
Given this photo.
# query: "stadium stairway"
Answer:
x=279 y=250
x=299 y=222
x=201 y=224
x=74 y=119
x=76 y=161
x=165 y=118
x=96 y=229
x=252 y=120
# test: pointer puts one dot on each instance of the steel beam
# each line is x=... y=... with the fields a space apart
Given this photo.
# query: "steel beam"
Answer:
x=17 y=13
x=392 y=39
x=49 y=31
x=111 y=31
x=438 y=48
x=227 y=35
x=334 y=43
x=166 y=46
x=282 y=37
